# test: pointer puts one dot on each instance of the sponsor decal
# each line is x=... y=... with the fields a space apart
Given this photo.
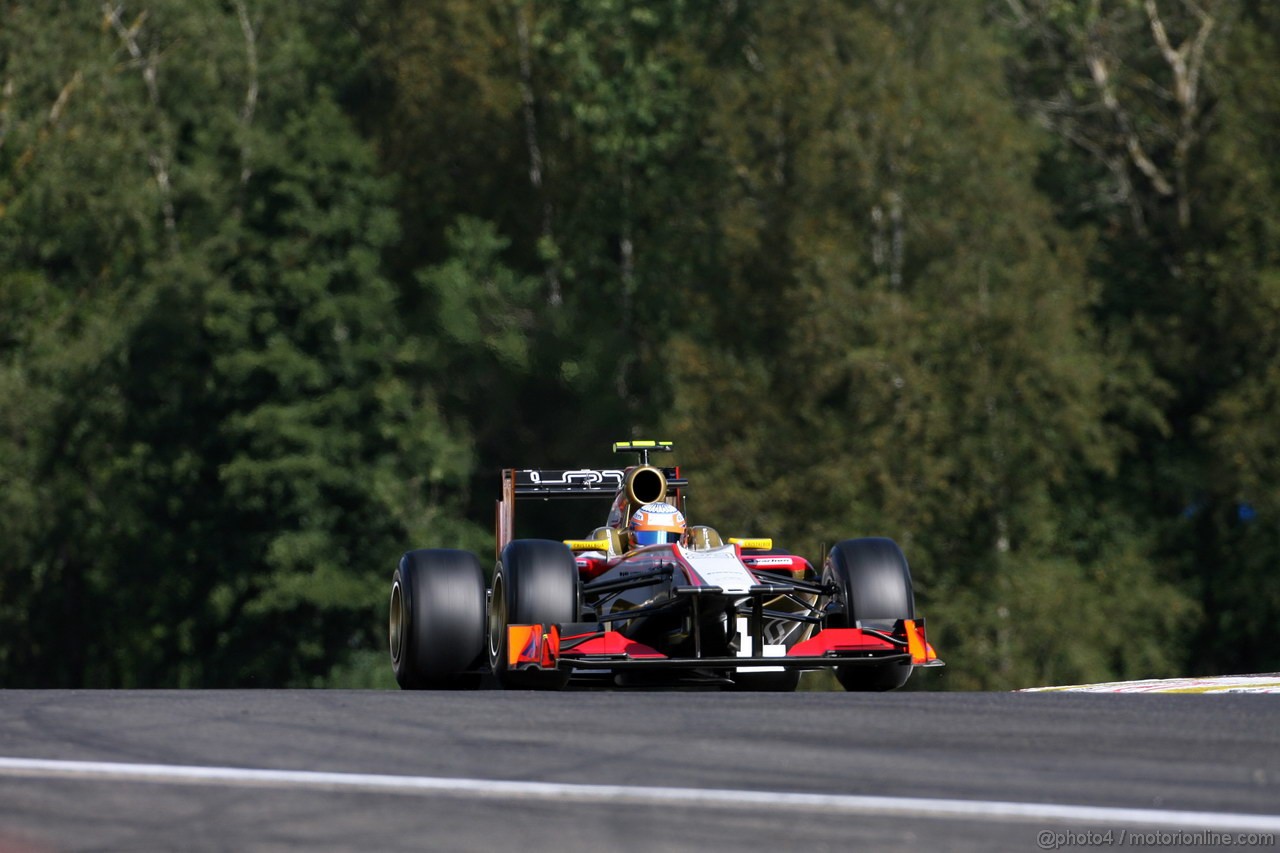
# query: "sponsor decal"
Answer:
x=580 y=477
x=720 y=567
x=659 y=509
x=587 y=544
x=768 y=561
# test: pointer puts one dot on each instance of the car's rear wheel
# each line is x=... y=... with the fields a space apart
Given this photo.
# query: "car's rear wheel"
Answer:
x=874 y=588
x=535 y=583
x=437 y=620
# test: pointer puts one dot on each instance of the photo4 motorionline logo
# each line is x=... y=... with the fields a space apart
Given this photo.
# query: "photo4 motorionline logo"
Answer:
x=1055 y=840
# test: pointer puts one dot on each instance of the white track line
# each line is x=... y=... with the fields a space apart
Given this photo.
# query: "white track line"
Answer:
x=620 y=794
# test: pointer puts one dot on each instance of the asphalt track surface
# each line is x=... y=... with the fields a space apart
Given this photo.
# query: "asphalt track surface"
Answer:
x=633 y=771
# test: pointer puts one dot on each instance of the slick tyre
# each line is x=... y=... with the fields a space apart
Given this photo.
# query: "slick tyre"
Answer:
x=535 y=582
x=874 y=588
x=437 y=624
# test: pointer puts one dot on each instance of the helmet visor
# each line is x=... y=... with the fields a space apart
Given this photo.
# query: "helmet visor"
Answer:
x=655 y=537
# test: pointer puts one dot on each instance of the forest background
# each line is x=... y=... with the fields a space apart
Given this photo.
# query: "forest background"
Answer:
x=284 y=285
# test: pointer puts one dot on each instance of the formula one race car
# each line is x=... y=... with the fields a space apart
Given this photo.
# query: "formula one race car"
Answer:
x=648 y=600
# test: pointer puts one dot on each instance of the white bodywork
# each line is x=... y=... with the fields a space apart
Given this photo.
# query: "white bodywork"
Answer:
x=720 y=567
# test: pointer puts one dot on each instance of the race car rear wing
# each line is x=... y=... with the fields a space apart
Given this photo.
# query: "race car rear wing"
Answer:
x=557 y=484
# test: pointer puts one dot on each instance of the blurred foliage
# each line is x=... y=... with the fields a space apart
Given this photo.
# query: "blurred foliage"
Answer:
x=283 y=286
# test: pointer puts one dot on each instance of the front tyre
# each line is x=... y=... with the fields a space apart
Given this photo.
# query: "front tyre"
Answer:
x=874 y=588
x=437 y=620
x=535 y=583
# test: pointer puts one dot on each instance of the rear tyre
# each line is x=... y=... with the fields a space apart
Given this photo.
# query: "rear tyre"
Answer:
x=535 y=583
x=437 y=620
x=874 y=588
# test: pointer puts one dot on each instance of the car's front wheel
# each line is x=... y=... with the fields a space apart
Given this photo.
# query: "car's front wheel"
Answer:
x=874 y=588
x=534 y=583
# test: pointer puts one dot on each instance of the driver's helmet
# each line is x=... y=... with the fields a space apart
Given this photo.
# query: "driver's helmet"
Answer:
x=656 y=524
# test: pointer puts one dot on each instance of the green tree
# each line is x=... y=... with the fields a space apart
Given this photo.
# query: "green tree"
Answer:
x=1227 y=540
x=1160 y=111
x=915 y=358
x=217 y=454
x=572 y=131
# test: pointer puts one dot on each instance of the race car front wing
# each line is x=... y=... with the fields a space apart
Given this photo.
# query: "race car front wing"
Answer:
x=592 y=646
